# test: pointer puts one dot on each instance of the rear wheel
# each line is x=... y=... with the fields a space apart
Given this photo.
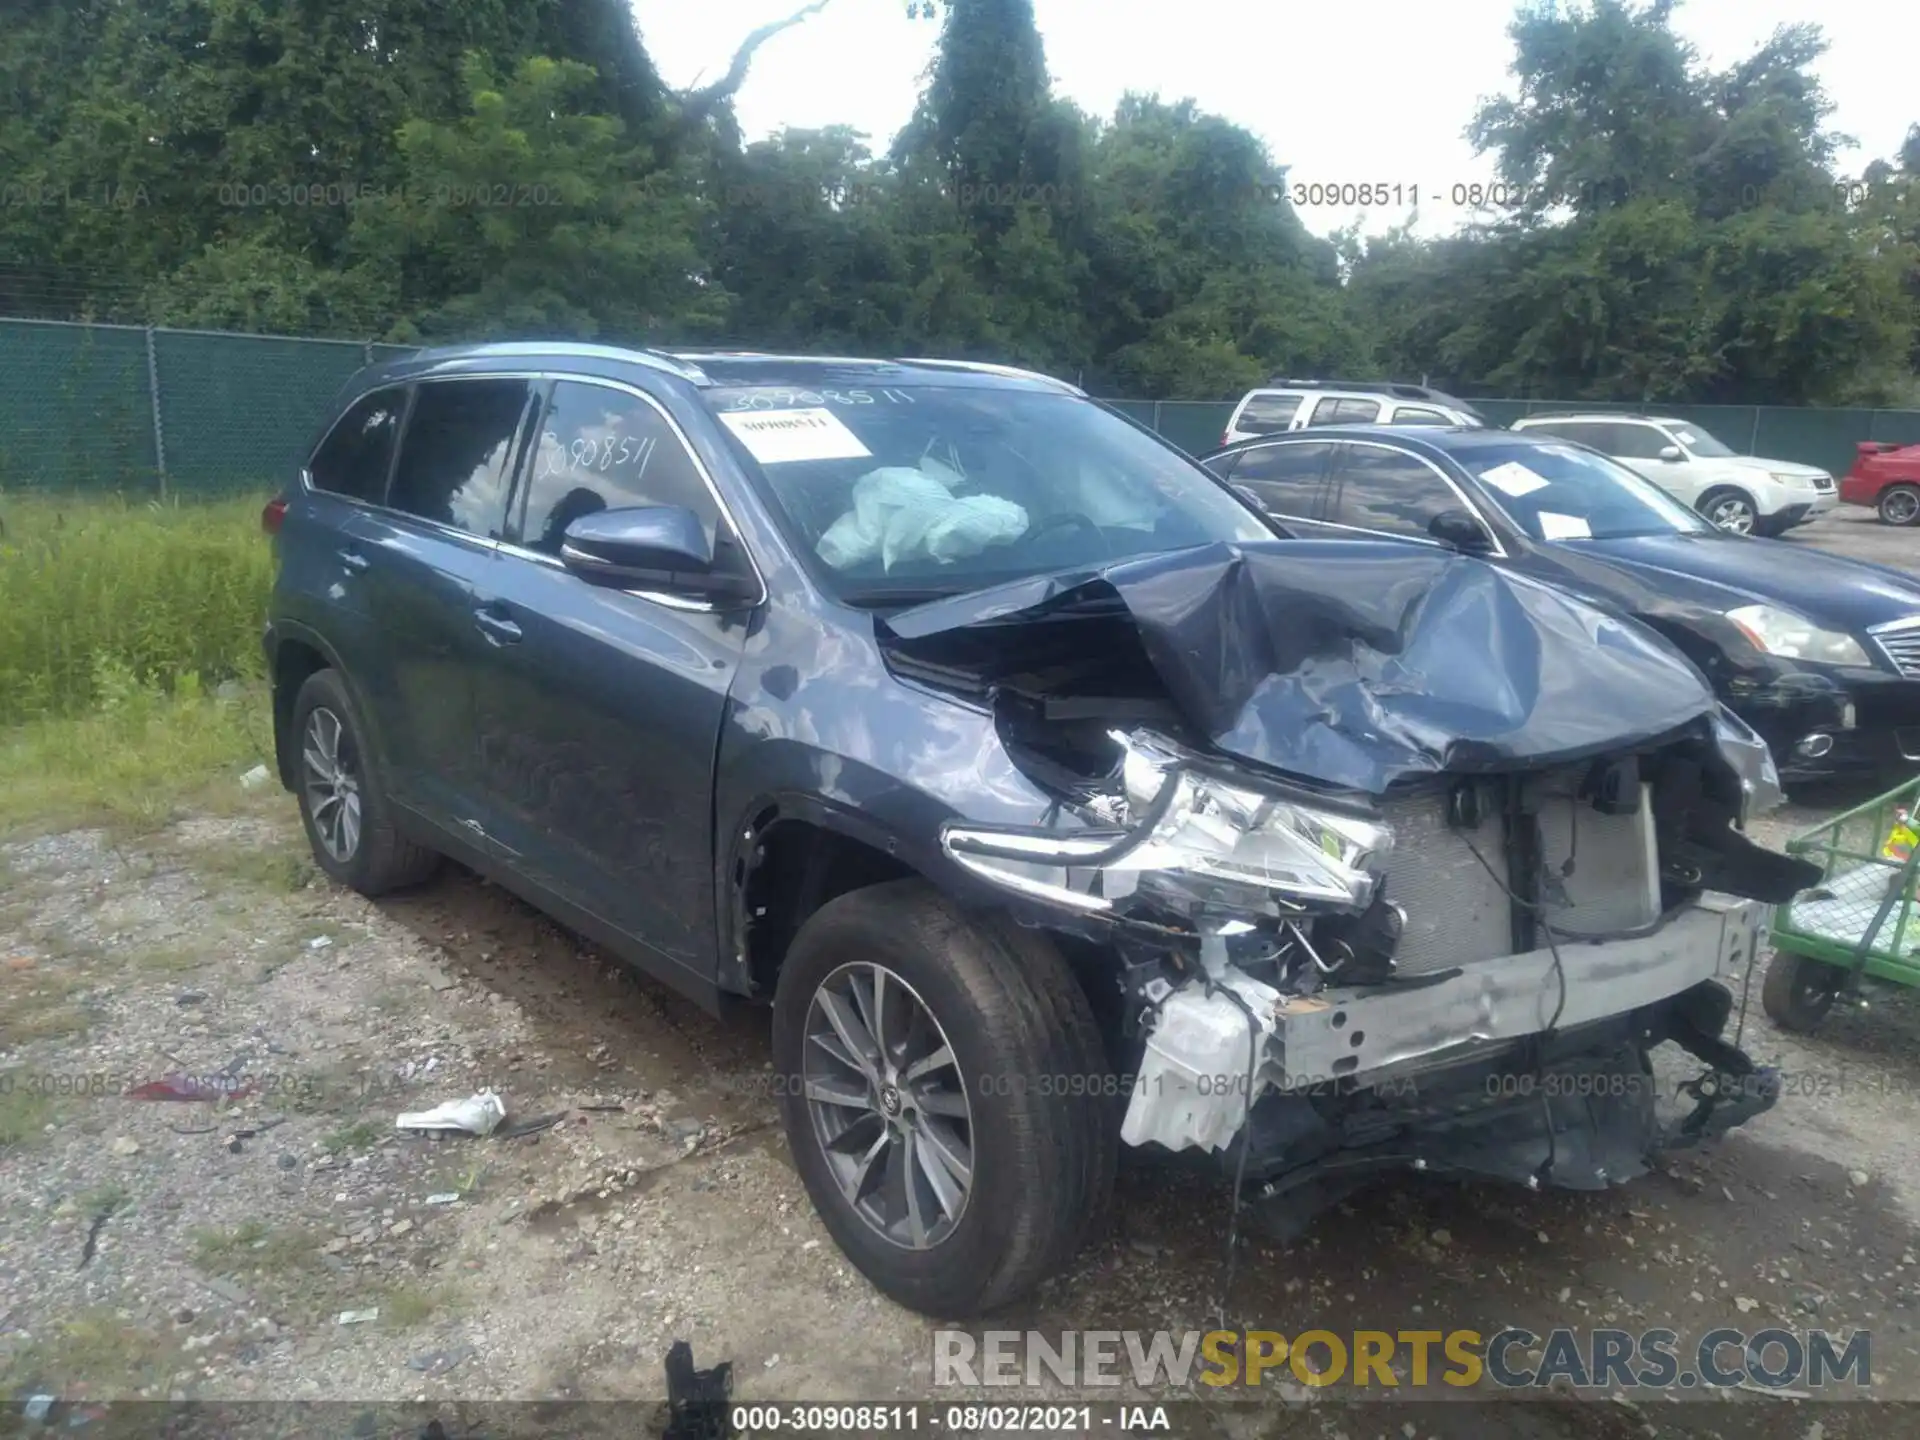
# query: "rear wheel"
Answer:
x=1799 y=992
x=1730 y=509
x=343 y=798
x=944 y=1096
x=1900 y=505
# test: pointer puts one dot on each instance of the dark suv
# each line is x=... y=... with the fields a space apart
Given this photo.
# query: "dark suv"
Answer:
x=1050 y=799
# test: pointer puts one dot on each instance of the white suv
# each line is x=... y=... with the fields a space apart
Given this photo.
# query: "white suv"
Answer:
x=1741 y=493
x=1295 y=404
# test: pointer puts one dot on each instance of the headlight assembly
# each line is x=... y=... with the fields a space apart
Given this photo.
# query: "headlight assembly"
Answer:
x=1793 y=636
x=1194 y=838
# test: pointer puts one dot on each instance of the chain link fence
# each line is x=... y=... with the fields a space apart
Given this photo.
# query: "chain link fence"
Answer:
x=192 y=412
x=159 y=412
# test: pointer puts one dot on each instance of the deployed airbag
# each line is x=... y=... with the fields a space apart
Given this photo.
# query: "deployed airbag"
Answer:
x=1362 y=663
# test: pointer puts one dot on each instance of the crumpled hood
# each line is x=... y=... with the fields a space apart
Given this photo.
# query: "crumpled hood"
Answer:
x=1358 y=664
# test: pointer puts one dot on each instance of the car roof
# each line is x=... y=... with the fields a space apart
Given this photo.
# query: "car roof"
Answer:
x=1583 y=415
x=706 y=369
x=1447 y=439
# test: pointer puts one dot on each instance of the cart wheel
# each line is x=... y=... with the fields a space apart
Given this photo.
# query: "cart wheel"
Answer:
x=1798 y=992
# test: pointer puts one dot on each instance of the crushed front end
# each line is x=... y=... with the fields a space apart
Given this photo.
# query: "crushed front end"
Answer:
x=1353 y=912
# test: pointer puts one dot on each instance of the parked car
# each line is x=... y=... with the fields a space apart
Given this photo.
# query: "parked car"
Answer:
x=1820 y=654
x=1283 y=404
x=1886 y=477
x=1740 y=493
x=1050 y=800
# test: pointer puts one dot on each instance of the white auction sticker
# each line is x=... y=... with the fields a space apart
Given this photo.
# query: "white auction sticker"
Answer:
x=1514 y=478
x=1563 y=527
x=780 y=437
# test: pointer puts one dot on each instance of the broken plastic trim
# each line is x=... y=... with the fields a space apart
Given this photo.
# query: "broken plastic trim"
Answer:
x=1286 y=854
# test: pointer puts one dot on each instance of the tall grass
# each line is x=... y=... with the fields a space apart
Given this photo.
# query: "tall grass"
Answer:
x=120 y=624
x=98 y=588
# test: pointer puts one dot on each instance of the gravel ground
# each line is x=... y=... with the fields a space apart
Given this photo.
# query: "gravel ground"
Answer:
x=213 y=1251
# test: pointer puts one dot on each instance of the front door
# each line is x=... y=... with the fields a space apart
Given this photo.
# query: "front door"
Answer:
x=600 y=718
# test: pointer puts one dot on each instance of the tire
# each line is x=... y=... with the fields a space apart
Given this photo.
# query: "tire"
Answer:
x=1041 y=1146
x=371 y=855
x=1899 y=505
x=1798 y=992
x=1726 y=507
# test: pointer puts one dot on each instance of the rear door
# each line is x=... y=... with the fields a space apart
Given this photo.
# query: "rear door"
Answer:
x=418 y=561
x=1289 y=479
x=600 y=711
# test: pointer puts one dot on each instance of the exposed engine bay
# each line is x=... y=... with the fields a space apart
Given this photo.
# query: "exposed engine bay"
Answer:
x=1374 y=842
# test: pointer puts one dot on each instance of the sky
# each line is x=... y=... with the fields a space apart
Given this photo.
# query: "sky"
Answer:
x=1368 y=90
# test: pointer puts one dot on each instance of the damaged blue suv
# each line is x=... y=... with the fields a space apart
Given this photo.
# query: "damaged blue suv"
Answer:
x=1052 y=802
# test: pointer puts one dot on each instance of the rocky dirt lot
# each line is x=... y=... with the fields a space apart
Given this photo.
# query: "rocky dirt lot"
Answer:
x=284 y=1242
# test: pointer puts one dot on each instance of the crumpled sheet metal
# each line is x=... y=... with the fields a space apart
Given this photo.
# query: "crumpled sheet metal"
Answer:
x=1360 y=664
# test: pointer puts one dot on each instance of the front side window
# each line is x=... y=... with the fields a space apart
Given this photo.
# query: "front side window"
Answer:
x=1390 y=491
x=1701 y=443
x=453 y=465
x=1334 y=410
x=605 y=449
x=1635 y=442
x=900 y=494
x=1286 y=477
x=354 y=458
x=1265 y=414
x=1558 y=492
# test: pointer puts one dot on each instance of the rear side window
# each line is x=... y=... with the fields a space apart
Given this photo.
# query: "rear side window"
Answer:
x=1418 y=415
x=1285 y=477
x=1264 y=414
x=1335 y=411
x=1570 y=430
x=603 y=449
x=454 y=462
x=354 y=458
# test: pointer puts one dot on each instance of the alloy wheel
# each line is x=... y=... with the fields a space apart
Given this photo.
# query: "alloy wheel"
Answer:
x=1732 y=514
x=889 y=1105
x=1900 y=506
x=330 y=780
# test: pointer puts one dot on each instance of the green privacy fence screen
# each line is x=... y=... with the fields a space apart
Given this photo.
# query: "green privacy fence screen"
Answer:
x=193 y=412
x=162 y=412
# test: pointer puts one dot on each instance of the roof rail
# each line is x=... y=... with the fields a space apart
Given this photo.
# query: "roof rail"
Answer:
x=657 y=359
x=1379 y=387
x=983 y=367
x=1586 y=415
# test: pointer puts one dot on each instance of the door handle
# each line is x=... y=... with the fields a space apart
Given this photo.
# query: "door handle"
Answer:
x=353 y=560
x=497 y=628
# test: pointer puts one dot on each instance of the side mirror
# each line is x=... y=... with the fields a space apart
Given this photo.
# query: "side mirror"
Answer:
x=1458 y=529
x=1672 y=453
x=1251 y=496
x=648 y=547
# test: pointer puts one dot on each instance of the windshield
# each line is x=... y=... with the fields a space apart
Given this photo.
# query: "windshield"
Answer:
x=901 y=495
x=1563 y=492
x=1699 y=442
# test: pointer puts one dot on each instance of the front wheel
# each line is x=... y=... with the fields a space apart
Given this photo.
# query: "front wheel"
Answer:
x=1899 y=505
x=1799 y=992
x=1730 y=510
x=945 y=1096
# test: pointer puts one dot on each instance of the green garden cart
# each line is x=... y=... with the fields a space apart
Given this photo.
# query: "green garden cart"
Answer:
x=1860 y=920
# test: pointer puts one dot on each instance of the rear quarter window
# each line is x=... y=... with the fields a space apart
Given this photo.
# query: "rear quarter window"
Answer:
x=357 y=452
